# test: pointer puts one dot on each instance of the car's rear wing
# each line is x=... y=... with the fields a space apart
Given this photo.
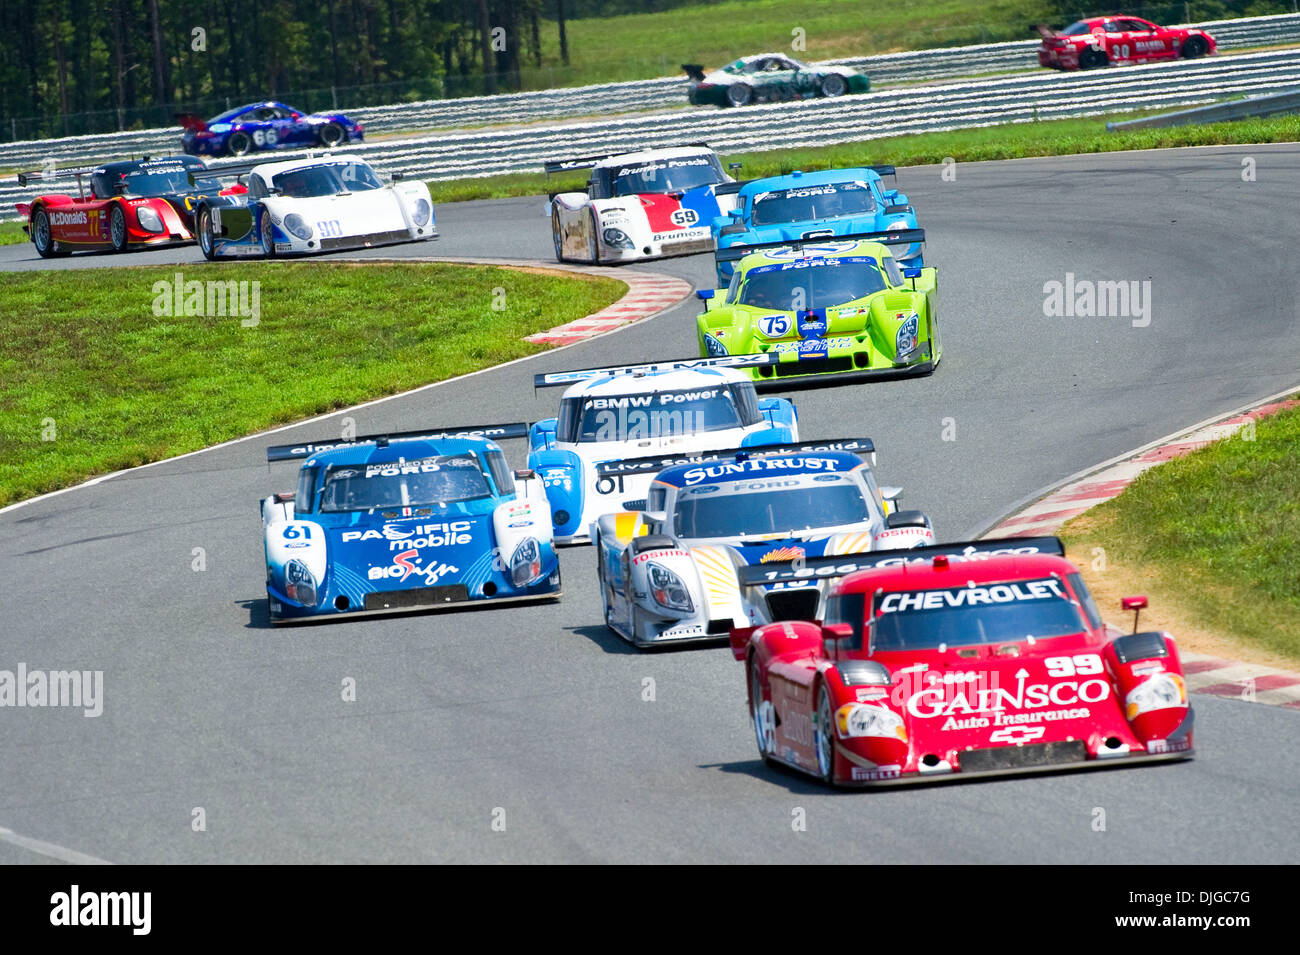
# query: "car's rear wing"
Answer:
x=494 y=432
x=653 y=464
x=695 y=71
x=557 y=378
x=55 y=174
x=192 y=121
x=828 y=568
x=895 y=237
x=1043 y=30
x=731 y=188
x=587 y=162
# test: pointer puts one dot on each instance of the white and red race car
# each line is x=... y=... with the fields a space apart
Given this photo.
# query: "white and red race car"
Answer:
x=641 y=205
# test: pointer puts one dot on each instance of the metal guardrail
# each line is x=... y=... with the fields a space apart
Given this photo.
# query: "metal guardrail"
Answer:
x=1275 y=104
x=886 y=70
x=1024 y=97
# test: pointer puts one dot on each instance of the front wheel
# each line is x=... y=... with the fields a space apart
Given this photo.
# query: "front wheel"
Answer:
x=117 y=229
x=331 y=134
x=764 y=731
x=557 y=234
x=834 y=85
x=593 y=239
x=267 y=236
x=239 y=144
x=824 y=735
x=207 y=240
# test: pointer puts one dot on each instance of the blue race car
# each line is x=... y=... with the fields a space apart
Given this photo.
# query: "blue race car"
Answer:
x=409 y=521
x=244 y=129
x=815 y=205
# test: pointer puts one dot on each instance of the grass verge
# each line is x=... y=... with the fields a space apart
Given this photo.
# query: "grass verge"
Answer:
x=11 y=233
x=92 y=380
x=1213 y=538
x=1010 y=141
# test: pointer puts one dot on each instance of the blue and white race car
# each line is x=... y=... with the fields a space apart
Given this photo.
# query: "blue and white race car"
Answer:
x=267 y=125
x=633 y=411
x=410 y=521
x=815 y=205
x=308 y=206
x=669 y=572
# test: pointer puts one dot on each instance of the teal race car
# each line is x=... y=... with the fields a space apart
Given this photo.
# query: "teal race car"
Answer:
x=840 y=306
x=770 y=78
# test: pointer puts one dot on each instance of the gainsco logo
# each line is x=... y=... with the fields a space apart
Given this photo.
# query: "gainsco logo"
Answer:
x=68 y=218
x=937 y=700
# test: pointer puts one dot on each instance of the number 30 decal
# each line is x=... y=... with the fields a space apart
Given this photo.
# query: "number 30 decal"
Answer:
x=1084 y=664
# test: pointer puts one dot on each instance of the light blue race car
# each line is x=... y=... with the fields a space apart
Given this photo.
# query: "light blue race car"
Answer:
x=815 y=205
x=411 y=521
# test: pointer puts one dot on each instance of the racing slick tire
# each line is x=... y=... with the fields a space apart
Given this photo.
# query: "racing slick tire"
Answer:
x=43 y=238
x=824 y=735
x=266 y=236
x=331 y=134
x=1194 y=48
x=833 y=85
x=739 y=94
x=207 y=239
x=117 y=229
x=755 y=704
x=593 y=242
x=557 y=234
x=1090 y=58
x=239 y=144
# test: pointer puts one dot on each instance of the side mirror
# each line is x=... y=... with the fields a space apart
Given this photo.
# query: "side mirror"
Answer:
x=891 y=493
x=907 y=519
x=1137 y=604
x=733 y=166
x=525 y=474
x=398 y=176
x=704 y=294
x=737 y=213
x=736 y=228
x=838 y=631
x=911 y=273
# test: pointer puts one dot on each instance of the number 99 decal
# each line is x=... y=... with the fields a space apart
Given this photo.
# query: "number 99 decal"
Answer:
x=1084 y=664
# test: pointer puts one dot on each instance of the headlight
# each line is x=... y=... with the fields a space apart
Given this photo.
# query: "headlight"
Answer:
x=905 y=341
x=297 y=225
x=856 y=720
x=526 y=562
x=1160 y=692
x=422 y=212
x=149 y=220
x=668 y=590
x=299 y=585
x=617 y=238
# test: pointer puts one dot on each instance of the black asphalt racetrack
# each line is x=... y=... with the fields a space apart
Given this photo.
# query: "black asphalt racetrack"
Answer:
x=539 y=720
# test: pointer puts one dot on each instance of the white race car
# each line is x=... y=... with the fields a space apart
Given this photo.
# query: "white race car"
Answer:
x=666 y=409
x=670 y=573
x=641 y=205
x=306 y=206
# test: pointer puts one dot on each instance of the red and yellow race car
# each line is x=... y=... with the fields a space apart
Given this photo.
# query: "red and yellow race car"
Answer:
x=131 y=204
x=1103 y=40
x=954 y=661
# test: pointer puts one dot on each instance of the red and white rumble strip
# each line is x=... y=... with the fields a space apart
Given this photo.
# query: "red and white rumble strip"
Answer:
x=1225 y=678
x=648 y=294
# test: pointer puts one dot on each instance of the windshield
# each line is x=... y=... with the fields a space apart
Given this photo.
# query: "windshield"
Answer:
x=798 y=286
x=327 y=180
x=830 y=201
x=961 y=616
x=423 y=481
x=658 y=415
x=772 y=506
x=1076 y=29
x=162 y=182
x=667 y=175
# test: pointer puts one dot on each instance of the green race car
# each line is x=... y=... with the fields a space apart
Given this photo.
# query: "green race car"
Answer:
x=770 y=77
x=826 y=307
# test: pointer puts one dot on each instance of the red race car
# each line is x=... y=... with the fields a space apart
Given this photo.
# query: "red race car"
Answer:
x=1104 y=40
x=955 y=661
x=132 y=204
